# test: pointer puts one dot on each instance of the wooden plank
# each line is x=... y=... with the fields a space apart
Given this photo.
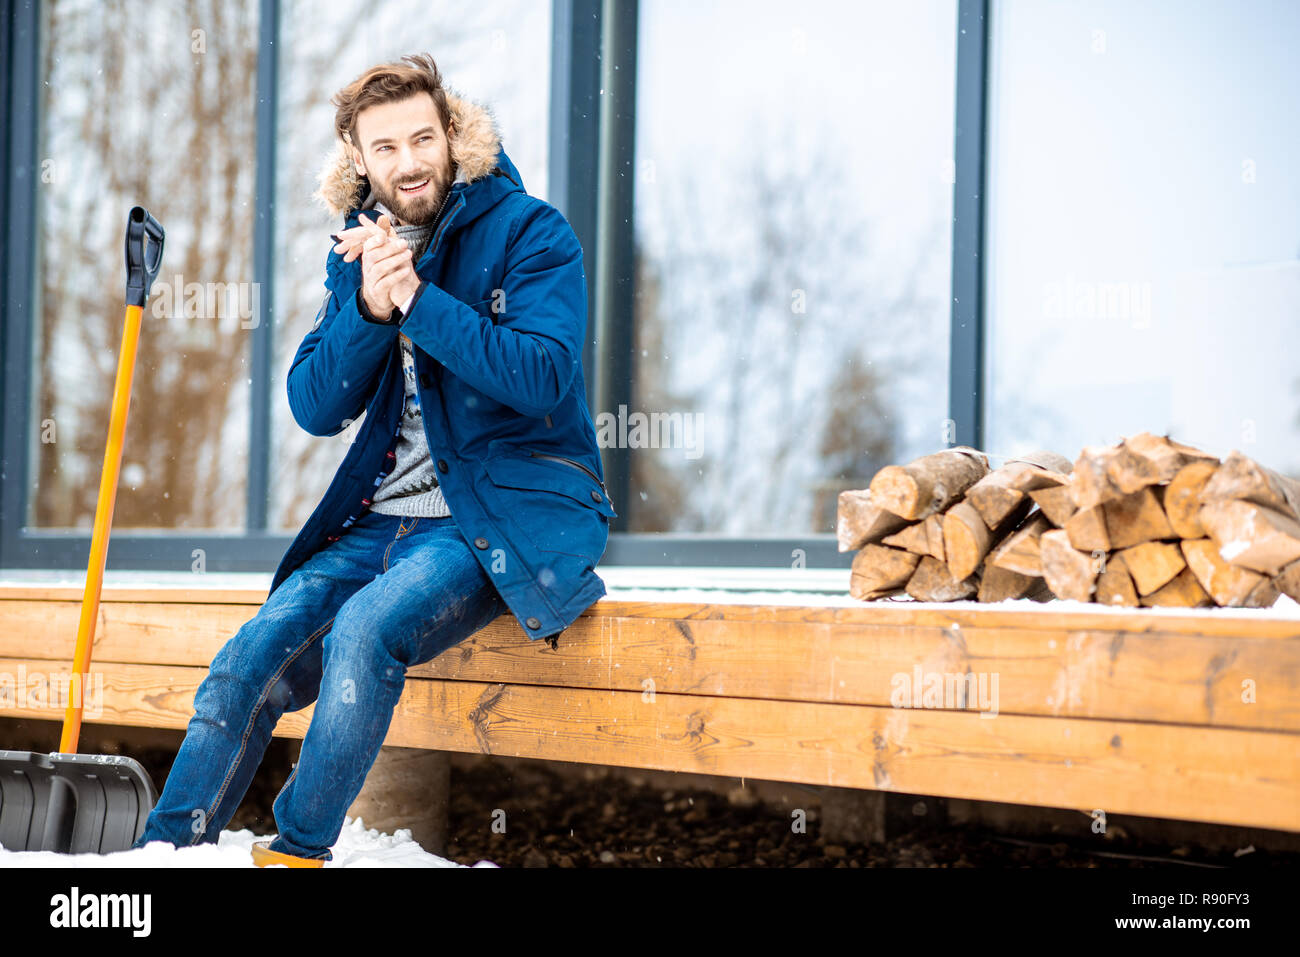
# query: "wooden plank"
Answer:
x=198 y=594
x=1251 y=778
x=1246 y=622
x=146 y=632
x=1236 y=622
x=1227 y=776
x=1150 y=676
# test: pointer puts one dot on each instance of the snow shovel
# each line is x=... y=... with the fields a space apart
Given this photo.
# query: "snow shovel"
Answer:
x=89 y=803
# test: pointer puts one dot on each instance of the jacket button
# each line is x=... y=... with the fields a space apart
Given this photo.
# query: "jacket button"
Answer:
x=532 y=623
x=595 y=496
x=442 y=466
x=425 y=380
x=480 y=543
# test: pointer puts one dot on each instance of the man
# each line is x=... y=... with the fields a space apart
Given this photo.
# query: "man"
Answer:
x=454 y=319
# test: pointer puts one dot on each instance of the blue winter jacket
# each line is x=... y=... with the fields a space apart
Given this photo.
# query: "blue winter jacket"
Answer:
x=502 y=389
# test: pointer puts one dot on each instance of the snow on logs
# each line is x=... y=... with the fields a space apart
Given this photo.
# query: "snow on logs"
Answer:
x=1148 y=521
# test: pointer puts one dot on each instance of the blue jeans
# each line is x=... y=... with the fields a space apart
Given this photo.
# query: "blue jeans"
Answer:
x=341 y=630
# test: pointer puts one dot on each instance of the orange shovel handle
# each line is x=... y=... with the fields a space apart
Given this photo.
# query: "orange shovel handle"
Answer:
x=99 y=538
x=144 y=248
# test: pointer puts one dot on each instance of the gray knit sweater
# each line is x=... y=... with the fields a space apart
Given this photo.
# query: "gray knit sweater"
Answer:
x=412 y=487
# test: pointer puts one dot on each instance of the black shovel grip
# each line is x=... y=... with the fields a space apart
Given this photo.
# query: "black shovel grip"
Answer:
x=141 y=269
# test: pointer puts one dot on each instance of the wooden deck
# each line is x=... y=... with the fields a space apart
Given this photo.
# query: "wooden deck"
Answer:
x=1189 y=715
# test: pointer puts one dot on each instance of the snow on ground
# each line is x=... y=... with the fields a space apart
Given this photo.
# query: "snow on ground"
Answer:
x=358 y=846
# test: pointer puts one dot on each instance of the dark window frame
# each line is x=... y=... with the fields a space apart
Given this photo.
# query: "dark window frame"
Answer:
x=591 y=139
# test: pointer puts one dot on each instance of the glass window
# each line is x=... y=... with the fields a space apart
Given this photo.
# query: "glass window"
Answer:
x=497 y=55
x=793 y=244
x=144 y=103
x=1144 y=226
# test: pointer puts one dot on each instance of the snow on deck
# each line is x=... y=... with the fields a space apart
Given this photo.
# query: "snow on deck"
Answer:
x=808 y=587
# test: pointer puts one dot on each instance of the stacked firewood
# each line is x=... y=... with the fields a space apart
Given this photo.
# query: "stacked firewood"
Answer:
x=1148 y=521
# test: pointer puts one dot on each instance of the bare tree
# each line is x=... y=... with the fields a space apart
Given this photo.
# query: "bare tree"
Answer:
x=768 y=270
x=657 y=491
x=153 y=106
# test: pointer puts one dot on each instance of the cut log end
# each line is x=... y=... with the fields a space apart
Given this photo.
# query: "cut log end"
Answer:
x=1070 y=573
x=932 y=581
x=929 y=484
x=878 y=570
x=859 y=521
x=1115 y=584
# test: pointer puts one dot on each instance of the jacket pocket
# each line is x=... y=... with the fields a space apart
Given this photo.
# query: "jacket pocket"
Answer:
x=557 y=506
x=546 y=474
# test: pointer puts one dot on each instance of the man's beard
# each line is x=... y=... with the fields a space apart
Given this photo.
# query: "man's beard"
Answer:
x=415 y=210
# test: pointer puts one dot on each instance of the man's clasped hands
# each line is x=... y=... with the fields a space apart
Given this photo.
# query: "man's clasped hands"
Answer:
x=388 y=277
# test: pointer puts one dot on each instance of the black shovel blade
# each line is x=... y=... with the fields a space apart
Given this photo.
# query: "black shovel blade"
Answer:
x=72 y=803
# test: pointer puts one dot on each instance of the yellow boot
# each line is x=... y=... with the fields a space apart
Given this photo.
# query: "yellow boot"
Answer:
x=263 y=855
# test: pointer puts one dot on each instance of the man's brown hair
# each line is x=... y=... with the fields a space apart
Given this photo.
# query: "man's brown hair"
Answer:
x=386 y=83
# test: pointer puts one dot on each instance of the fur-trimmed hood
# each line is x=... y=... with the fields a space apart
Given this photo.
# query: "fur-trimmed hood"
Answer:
x=475 y=143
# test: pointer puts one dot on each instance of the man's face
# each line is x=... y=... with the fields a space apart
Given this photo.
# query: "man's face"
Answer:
x=403 y=144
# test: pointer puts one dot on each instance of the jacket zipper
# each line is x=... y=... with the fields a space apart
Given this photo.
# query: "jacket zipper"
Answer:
x=446 y=199
x=537 y=455
x=576 y=465
x=437 y=221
